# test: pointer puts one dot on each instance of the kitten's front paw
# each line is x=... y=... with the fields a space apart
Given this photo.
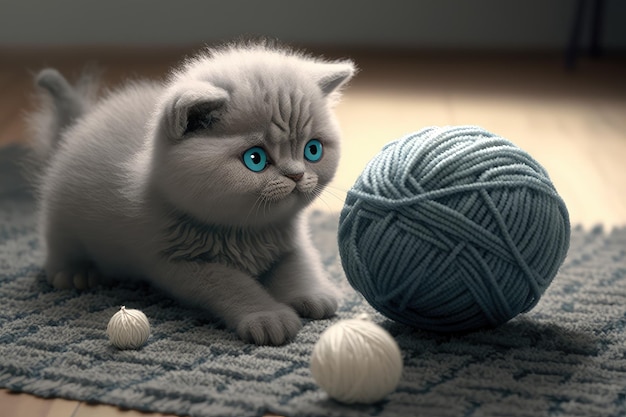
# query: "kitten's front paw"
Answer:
x=274 y=327
x=315 y=306
x=80 y=279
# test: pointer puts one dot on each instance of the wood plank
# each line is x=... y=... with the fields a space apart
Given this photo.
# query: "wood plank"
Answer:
x=99 y=410
x=18 y=405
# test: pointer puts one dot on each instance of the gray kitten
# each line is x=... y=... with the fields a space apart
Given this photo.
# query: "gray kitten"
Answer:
x=197 y=185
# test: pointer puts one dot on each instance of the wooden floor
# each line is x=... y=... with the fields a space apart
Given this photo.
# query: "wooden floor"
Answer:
x=573 y=122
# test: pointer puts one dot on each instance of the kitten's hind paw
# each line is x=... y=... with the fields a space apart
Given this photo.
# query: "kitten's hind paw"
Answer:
x=275 y=327
x=315 y=306
x=80 y=279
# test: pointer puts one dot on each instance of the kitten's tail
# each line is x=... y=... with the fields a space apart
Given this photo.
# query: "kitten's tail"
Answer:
x=60 y=108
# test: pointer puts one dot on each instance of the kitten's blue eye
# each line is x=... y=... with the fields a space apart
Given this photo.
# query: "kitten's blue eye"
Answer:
x=313 y=150
x=255 y=159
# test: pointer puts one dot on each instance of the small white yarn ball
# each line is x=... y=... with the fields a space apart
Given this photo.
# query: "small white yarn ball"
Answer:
x=128 y=329
x=356 y=361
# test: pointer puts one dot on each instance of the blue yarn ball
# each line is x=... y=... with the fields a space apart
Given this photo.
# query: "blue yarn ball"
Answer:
x=453 y=229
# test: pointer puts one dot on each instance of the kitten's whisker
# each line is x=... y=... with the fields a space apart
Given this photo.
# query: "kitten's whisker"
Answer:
x=254 y=206
x=317 y=194
x=265 y=204
x=328 y=207
x=263 y=207
x=334 y=187
x=311 y=196
x=330 y=193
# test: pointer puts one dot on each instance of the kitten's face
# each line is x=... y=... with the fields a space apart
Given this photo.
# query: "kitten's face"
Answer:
x=259 y=150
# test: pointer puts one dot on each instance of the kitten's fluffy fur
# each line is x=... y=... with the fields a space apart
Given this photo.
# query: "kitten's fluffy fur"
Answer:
x=149 y=183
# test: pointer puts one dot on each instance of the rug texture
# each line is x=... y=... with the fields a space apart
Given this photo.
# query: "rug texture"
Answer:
x=567 y=357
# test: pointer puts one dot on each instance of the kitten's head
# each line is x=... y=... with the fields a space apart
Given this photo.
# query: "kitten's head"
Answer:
x=246 y=135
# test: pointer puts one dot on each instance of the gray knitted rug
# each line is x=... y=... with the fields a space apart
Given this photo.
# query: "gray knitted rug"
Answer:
x=565 y=358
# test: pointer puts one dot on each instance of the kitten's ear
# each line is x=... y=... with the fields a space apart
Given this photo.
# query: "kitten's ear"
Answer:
x=193 y=106
x=331 y=76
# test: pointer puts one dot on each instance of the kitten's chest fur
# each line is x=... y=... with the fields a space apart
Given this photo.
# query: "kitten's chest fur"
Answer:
x=249 y=249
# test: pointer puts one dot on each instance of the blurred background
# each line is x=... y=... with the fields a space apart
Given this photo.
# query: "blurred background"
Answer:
x=430 y=24
x=548 y=75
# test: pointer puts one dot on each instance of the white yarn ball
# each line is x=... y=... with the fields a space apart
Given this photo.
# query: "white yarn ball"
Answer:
x=356 y=361
x=128 y=329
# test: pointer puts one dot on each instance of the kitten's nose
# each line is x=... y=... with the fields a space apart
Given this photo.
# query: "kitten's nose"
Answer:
x=296 y=177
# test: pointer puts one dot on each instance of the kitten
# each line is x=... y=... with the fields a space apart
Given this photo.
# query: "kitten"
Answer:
x=197 y=185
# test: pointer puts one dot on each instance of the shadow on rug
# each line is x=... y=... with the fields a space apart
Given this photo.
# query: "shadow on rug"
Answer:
x=567 y=357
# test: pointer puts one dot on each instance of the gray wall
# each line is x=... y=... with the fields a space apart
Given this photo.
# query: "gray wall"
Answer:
x=501 y=24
